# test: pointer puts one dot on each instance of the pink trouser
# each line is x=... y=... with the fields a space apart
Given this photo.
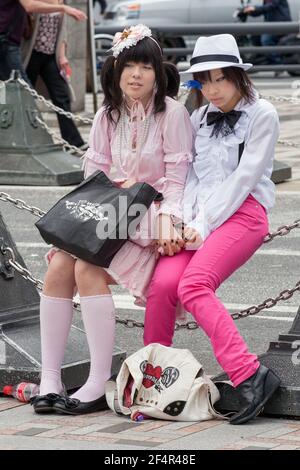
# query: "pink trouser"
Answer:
x=192 y=277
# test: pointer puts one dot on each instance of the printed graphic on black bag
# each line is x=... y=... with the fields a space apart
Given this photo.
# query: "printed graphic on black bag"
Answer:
x=155 y=376
x=86 y=210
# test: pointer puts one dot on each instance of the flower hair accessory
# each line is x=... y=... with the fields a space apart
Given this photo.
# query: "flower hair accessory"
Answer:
x=130 y=37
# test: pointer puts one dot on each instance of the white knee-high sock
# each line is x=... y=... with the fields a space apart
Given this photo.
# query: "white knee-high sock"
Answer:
x=98 y=314
x=55 y=320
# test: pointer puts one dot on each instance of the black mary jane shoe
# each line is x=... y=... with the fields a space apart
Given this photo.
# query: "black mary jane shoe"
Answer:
x=44 y=403
x=73 y=406
x=254 y=394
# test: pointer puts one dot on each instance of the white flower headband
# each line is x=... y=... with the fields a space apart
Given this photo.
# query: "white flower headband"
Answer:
x=130 y=37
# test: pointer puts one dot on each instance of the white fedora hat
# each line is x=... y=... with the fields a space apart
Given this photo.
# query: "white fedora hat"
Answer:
x=216 y=52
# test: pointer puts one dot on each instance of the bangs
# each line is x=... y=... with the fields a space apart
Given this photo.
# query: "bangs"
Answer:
x=202 y=76
x=145 y=51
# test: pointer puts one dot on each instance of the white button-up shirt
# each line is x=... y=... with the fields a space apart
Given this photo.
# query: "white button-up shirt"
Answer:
x=217 y=184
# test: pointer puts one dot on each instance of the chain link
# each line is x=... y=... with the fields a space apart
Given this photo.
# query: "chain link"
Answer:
x=59 y=139
x=51 y=105
x=130 y=323
x=288 y=143
x=20 y=204
x=281 y=99
x=183 y=91
x=282 y=230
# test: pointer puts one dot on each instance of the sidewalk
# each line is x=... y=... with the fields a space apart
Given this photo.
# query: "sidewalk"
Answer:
x=21 y=428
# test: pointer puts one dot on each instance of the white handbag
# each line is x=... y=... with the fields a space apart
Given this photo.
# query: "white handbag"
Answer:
x=164 y=383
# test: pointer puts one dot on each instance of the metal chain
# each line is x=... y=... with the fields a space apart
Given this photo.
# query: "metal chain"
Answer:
x=282 y=230
x=288 y=143
x=130 y=323
x=59 y=139
x=281 y=99
x=191 y=325
x=20 y=204
x=183 y=91
x=51 y=105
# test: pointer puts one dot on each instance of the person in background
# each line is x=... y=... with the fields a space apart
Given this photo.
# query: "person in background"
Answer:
x=103 y=5
x=272 y=10
x=45 y=56
x=12 y=26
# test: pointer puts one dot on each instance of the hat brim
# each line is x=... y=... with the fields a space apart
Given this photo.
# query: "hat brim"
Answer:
x=205 y=66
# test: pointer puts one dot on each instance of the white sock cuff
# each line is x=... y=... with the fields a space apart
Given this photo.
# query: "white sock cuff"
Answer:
x=54 y=299
x=96 y=297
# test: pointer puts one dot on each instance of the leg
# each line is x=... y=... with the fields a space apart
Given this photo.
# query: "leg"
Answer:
x=13 y=61
x=98 y=314
x=103 y=6
x=271 y=40
x=162 y=298
x=34 y=66
x=224 y=251
x=56 y=312
x=59 y=93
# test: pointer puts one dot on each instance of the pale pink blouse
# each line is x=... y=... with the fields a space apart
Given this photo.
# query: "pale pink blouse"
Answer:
x=164 y=157
x=163 y=163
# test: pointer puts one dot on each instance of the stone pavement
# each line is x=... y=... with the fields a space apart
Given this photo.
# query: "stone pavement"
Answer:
x=20 y=428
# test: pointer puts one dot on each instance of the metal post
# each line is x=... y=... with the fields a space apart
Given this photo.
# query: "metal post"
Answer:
x=283 y=357
x=28 y=155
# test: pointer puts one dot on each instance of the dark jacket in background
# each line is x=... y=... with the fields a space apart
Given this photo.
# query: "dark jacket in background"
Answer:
x=273 y=10
x=12 y=20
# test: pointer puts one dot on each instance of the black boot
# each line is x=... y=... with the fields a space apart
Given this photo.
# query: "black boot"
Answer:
x=254 y=393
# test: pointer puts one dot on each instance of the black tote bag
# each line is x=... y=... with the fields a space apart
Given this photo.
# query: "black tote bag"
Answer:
x=94 y=220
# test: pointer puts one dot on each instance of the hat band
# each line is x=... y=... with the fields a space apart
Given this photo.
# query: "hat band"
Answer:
x=214 y=58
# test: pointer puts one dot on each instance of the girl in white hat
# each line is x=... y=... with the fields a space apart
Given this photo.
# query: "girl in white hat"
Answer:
x=227 y=196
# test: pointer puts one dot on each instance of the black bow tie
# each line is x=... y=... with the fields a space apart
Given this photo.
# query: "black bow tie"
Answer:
x=223 y=122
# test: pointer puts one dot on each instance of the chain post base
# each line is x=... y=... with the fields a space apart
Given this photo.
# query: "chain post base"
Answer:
x=20 y=355
x=283 y=357
x=28 y=155
x=20 y=352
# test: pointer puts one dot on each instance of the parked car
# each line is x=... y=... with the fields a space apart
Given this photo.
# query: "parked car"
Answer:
x=163 y=12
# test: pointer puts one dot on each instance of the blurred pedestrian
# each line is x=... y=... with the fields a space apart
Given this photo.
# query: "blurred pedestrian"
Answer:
x=272 y=10
x=13 y=15
x=45 y=57
x=103 y=5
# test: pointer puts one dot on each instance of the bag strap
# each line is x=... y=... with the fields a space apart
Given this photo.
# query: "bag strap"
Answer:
x=111 y=395
x=241 y=149
x=203 y=115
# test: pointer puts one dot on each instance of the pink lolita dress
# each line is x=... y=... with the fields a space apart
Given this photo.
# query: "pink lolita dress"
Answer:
x=155 y=149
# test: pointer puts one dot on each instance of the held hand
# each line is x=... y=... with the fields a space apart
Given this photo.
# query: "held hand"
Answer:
x=249 y=9
x=127 y=183
x=78 y=15
x=168 y=242
x=192 y=238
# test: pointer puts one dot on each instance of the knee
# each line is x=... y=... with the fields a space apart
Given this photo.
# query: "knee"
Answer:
x=60 y=271
x=164 y=286
x=191 y=285
x=87 y=274
x=82 y=271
